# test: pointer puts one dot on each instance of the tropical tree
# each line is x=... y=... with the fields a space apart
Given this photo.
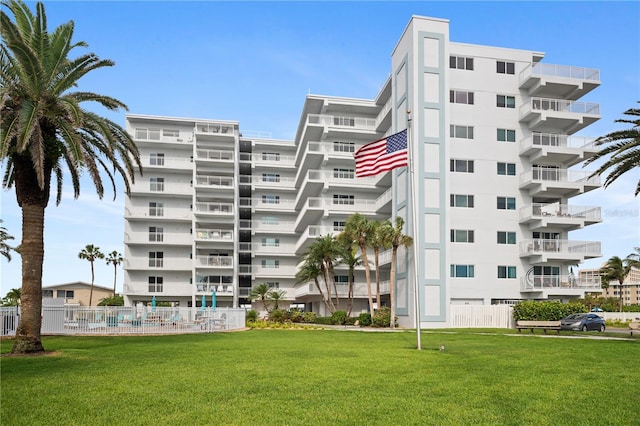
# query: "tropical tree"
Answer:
x=351 y=259
x=325 y=251
x=114 y=258
x=117 y=301
x=615 y=269
x=310 y=271
x=379 y=240
x=261 y=292
x=276 y=296
x=359 y=229
x=5 y=249
x=91 y=253
x=12 y=297
x=396 y=238
x=45 y=131
x=622 y=148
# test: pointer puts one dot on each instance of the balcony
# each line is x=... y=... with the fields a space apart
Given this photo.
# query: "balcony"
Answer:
x=216 y=183
x=158 y=213
x=544 y=114
x=555 y=183
x=214 y=156
x=268 y=181
x=557 y=148
x=217 y=262
x=270 y=203
x=220 y=289
x=342 y=125
x=278 y=226
x=559 y=284
x=164 y=238
x=558 y=81
x=277 y=272
x=309 y=290
x=268 y=160
x=214 y=132
x=562 y=251
x=215 y=209
x=167 y=164
x=158 y=265
x=310 y=234
x=214 y=235
x=562 y=216
x=164 y=188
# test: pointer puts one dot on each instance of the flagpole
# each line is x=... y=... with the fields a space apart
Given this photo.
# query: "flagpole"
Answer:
x=413 y=230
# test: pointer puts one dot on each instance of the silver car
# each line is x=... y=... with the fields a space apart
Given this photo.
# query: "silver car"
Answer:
x=582 y=322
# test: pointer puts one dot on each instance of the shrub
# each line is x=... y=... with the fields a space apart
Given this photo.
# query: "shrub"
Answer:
x=251 y=316
x=309 y=317
x=351 y=320
x=295 y=316
x=382 y=317
x=338 y=317
x=364 y=319
x=277 y=315
x=552 y=310
x=324 y=320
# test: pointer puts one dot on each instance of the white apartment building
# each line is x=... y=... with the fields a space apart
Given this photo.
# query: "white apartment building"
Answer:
x=492 y=151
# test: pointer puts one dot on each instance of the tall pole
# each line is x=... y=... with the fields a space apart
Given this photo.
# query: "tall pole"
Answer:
x=413 y=231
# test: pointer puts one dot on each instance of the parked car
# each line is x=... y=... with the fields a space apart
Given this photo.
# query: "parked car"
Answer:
x=582 y=322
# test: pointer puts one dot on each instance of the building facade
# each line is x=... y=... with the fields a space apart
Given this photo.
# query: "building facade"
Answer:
x=486 y=197
x=630 y=287
x=77 y=293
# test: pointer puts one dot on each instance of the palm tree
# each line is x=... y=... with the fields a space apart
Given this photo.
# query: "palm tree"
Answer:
x=91 y=253
x=615 y=269
x=326 y=251
x=396 y=238
x=45 y=131
x=310 y=271
x=275 y=296
x=359 y=229
x=261 y=293
x=5 y=249
x=349 y=258
x=114 y=258
x=623 y=147
x=12 y=298
x=379 y=240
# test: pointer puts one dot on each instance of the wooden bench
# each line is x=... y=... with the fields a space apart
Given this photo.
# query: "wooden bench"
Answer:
x=634 y=326
x=543 y=325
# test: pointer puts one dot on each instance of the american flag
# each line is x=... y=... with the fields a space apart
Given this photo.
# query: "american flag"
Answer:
x=382 y=155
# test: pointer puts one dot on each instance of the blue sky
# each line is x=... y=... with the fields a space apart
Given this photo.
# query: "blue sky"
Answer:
x=254 y=62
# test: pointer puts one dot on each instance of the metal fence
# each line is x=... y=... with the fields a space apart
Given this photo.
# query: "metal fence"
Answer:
x=126 y=320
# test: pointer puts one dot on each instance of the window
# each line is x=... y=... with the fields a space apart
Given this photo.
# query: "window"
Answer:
x=47 y=293
x=64 y=294
x=155 y=284
x=344 y=147
x=506 y=272
x=156 y=159
x=461 y=63
x=156 y=184
x=273 y=284
x=462 y=132
x=503 y=67
x=462 y=166
x=156 y=209
x=461 y=200
x=269 y=220
x=338 y=226
x=506 y=203
x=462 y=236
x=170 y=133
x=344 y=121
x=271 y=242
x=342 y=279
x=156 y=233
x=506 y=101
x=270 y=177
x=462 y=271
x=271 y=156
x=270 y=264
x=507 y=169
x=459 y=97
x=506 y=237
x=151 y=134
x=270 y=199
x=156 y=259
x=343 y=173
x=506 y=135
x=343 y=199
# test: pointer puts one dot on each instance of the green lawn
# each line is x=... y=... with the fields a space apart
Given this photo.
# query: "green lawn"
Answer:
x=323 y=377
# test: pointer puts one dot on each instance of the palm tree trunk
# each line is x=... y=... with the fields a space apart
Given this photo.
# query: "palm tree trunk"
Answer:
x=376 y=253
x=350 y=295
x=392 y=287
x=91 y=292
x=33 y=200
x=367 y=275
x=115 y=274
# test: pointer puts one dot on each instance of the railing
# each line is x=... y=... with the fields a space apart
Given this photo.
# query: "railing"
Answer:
x=558 y=140
x=343 y=122
x=560 y=105
x=279 y=204
x=159 y=212
x=264 y=158
x=166 y=263
x=559 y=175
x=168 y=162
x=214 y=208
x=546 y=282
x=359 y=289
x=226 y=181
x=214 y=261
x=214 y=234
x=565 y=71
x=271 y=181
x=270 y=226
x=214 y=154
x=215 y=128
x=220 y=289
x=153 y=238
x=128 y=320
x=568 y=247
x=540 y=210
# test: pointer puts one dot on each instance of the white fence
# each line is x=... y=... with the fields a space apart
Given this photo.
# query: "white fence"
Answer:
x=123 y=320
x=481 y=316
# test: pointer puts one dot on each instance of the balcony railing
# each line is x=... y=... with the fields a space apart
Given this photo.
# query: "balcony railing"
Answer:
x=214 y=234
x=560 y=247
x=140 y=237
x=220 y=289
x=214 y=154
x=557 y=140
x=559 y=105
x=217 y=181
x=565 y=211
x=158 y=212
x=215 y=128
x=566 y=282
x=215 y=208
x=359 y=289
x=564 y=71
x=559 y=175
x=344 y=122
x=168 y=162
x=214 y=261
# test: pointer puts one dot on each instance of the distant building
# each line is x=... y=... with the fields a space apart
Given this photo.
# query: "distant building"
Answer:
x=77 y=293
x=630 y=286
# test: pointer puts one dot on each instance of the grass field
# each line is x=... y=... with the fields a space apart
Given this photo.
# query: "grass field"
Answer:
x=323 y=377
